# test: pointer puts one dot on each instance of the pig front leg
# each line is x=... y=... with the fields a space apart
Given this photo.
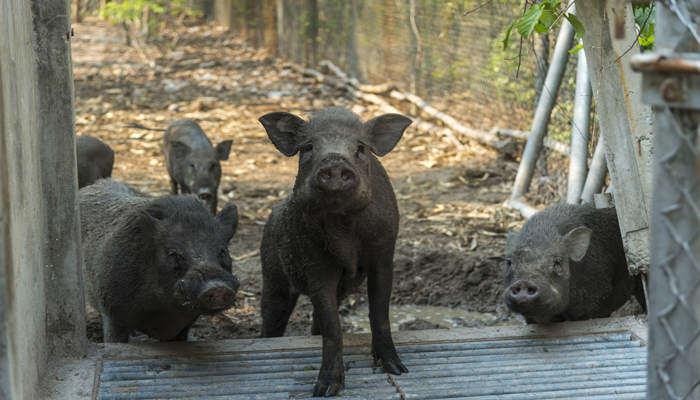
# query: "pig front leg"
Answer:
x=184 y=334
x=212 y=204
x=113 y=333
x=173 y=186
x=315 y=327
x=277 y=304
x=379 y=282
x=331 y=377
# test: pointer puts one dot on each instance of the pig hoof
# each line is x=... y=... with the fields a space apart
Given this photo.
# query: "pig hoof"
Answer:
x=391 y=364
x=324 y=388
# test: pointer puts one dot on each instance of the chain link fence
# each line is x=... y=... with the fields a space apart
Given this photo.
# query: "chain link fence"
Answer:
x=675 y=273
x=674 y=318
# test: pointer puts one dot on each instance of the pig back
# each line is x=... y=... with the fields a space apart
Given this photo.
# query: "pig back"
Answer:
x=105 y=209
x=189 y=134
x=600 y=282
x=95 y=160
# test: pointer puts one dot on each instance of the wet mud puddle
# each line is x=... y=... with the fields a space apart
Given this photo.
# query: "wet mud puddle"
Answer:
x=416 y=317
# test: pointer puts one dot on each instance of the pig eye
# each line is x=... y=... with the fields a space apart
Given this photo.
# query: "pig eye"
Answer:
x=212 y=166
x=192 y=166
x=225 y=258
x=177 y=260
x=174 y=254
x=360 y=149
x=509 y=266
x=306 y=147
x=305 y=151
x=557 y=269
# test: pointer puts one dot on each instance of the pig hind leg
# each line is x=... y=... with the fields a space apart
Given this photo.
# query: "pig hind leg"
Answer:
x=113 y=333
x=278 y=301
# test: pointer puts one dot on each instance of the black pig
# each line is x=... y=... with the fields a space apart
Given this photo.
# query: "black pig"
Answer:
x=337 y=228
x=95 y=160
x=568 y=263
x=192 y=162
x=154 y=265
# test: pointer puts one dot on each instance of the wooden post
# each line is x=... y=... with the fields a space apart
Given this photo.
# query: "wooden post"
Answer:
x=625 y=121
x=76 y=6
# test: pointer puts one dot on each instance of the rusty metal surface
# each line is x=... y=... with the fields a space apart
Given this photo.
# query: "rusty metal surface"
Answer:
x=603 y=366
x=688 y=63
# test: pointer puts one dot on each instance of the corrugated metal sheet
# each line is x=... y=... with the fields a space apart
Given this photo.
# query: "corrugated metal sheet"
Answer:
x=611 y=366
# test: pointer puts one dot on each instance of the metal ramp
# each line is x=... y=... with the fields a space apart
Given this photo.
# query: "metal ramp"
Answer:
x=601 y=359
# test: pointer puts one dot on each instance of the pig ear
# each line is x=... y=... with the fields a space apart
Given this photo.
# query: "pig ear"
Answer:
x=155 y=211
x=228 y=217
x=180 y=150
x=577 y=242
x=223 y=149
x=282 y=129
x=384 y=132
x=150 y=218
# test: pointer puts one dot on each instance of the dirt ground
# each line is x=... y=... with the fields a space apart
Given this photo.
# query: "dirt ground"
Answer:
x=453 y=224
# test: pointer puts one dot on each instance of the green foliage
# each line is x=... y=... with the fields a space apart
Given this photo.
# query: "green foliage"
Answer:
x=129 y=11
x=500 y=73
x=531 y=17
x=645 y=18
x=578 y=26
x=540 y=17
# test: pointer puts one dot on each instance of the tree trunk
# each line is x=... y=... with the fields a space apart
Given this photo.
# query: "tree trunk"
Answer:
x=76 y=6
x=352 y=55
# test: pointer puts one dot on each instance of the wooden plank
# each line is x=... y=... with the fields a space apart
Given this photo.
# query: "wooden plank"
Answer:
x=625 y=120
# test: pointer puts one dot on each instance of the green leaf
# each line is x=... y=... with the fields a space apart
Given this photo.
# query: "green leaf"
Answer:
x=576 y=48
x=547 y=18
x=578 y=26
x=507 y=37
x=539 y=28
x=646 y=41
x=526 y=23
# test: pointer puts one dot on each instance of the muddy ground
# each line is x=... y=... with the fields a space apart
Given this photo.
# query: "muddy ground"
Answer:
x=453 y=224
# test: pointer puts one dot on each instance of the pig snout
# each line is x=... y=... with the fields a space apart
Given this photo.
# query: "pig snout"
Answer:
x=522 y=295
x=217 y=295
x=334 y=175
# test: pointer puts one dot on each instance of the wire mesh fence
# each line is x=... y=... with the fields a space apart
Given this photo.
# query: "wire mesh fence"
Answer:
x=448 y=52
x=674 y=319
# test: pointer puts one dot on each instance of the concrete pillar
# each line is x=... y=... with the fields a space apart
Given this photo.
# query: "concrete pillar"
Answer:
x=42 y=306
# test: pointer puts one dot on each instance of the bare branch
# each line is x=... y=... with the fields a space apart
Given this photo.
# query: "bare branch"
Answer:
x=477 y=8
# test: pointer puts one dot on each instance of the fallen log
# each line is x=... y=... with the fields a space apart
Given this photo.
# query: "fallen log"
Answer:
x=498 y=139
x=551 y=144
